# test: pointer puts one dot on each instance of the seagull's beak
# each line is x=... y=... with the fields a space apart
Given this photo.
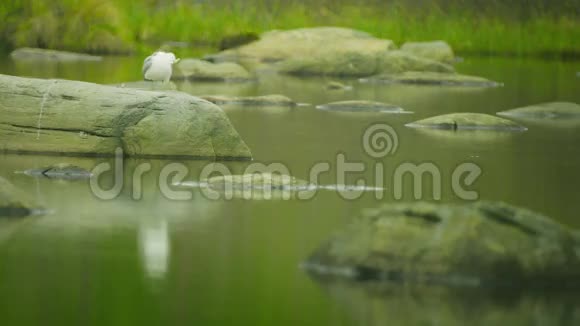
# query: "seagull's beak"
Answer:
x=176 y=60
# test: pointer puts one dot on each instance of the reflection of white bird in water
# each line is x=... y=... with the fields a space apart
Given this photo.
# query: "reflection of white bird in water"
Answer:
x=158 y=66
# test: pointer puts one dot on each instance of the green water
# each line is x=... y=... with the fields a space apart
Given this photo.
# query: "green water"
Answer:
x=156 y=261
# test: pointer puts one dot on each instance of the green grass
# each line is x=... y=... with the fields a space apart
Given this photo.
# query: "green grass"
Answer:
x=104 y=26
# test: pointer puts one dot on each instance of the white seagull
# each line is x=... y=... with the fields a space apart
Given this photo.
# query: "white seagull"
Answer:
x=158 y=66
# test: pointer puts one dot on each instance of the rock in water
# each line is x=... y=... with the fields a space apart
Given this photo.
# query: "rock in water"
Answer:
x=15 y=203
x=477 y=244
x=279 y=45
x=467 y=121
x=60 y=171
x=34 y=54
x=361 y=106
x=435 y=50
x=78 y=118
x=194 y=69
x=554 y=110
x=431 y=78
x=264 y=100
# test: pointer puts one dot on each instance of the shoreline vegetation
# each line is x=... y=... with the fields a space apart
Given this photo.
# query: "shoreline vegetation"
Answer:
x=475 y=27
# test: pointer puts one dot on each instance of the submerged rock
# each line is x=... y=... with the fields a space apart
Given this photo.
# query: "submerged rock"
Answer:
x=431 y=78
x=60 y=171
x=477 y=244
x=467 y=121
x=435 y=50
x=79 y=118
x=35 y=54
x=543 y=111
x=265 y=100
x=194 y=69
x=15 y=203
x=362 y=106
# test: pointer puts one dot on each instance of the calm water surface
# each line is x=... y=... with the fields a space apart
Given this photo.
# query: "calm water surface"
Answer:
x=156 y=261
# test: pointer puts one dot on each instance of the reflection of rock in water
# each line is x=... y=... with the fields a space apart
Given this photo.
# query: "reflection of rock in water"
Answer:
x=391 y=304
x=155 y=248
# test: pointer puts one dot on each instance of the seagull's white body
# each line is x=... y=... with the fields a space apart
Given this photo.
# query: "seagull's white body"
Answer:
x=158 y=66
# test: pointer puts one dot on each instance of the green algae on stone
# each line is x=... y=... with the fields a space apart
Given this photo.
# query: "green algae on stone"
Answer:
x=475 y=244
x=553 y=110
x=435 y=50
x=264 y=100
x=467 y=121
x=86 y=119
x=397 y=61
x=431 y=78
x=362 y=106
x=14 y=202
x=194 y=69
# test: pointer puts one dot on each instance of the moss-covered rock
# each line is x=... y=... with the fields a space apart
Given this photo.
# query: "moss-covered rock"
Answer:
x=361 y=106
x=435 y=50
x=278 y=45
x=60 y=171
x=467 y=121
x=431 y=78
x=545 y=111
x=477 y=244
x=194 y=69
x=265 y=100
x=14 y=202
x=78 y=118
x=35 y=54
x=396 y=62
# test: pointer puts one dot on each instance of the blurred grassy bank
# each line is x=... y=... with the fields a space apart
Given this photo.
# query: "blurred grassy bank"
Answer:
x=518 y=27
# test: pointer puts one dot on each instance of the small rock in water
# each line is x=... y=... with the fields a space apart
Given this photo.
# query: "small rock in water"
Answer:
x=200 y=70
x=431 y=78
x=467 y=121
x=335 y=86
x=265 y=100
x=14 y=202
x=35 y=54
x=361 y=106
x=554 y=110
x=60 y=171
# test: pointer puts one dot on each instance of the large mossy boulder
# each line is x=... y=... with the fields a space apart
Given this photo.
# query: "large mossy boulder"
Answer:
x=434 y=78
x=194 y=69
x=330 y=51
x=467 y=121
x=78 y=118
x=14 y=202
x=545 y=111
x=35 y=54
x=359 y=61
x=434 y=50
x=476 y=244
x=279 y=45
